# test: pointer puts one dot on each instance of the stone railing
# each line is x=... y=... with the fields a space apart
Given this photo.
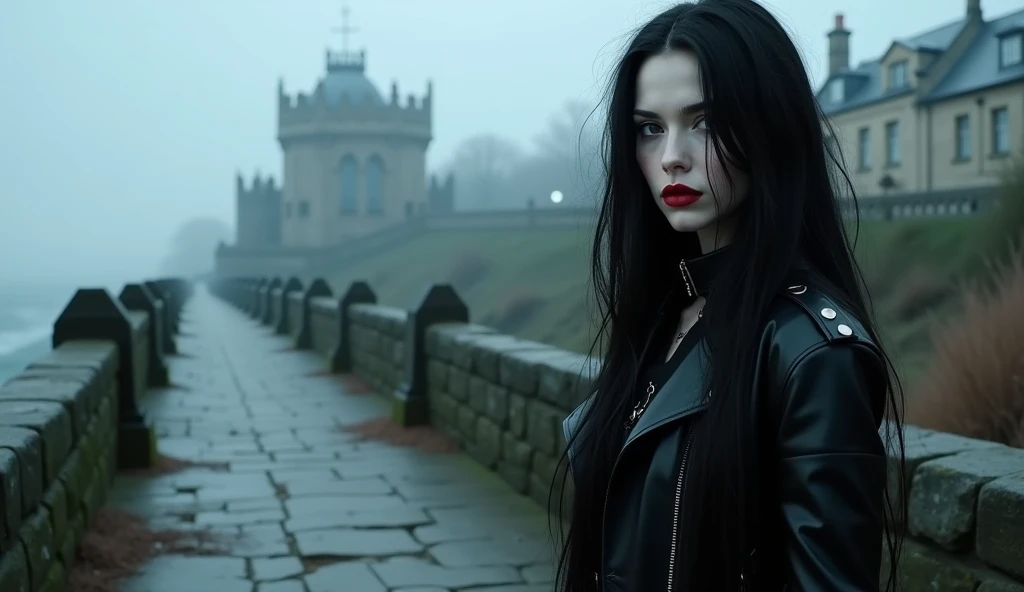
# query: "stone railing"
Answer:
x=70 y=420
x=503 y=399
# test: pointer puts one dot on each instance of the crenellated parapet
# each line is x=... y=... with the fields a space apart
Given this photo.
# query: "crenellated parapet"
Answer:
x=344 y=102
x=259 y=188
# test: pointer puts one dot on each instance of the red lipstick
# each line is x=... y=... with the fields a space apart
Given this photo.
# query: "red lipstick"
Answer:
x=678 y=195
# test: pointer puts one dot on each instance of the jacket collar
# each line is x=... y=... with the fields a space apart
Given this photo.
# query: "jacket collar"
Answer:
x=698 y=273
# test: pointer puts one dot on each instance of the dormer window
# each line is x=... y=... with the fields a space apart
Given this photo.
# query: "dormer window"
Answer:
x=835 y=91
x=1010 y=50
x=898 y=75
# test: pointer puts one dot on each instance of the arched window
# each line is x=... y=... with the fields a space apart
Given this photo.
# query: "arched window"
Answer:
x=375 y=185
x=349 y=186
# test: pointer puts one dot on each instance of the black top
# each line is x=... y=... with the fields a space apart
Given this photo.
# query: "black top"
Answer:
x=696 y=279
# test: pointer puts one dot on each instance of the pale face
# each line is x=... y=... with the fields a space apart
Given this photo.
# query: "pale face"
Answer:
x=674 y=150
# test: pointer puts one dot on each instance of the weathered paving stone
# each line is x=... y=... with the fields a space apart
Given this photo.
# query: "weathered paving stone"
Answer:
x=174 y=573
x=356 y=542
x=504 y=550
x=335 y=486
x=1000 y=530
x=539 y=573
x=407 y=571
x=394 y=518
x=275 y=568
x=513 y=588
x=239 y=518
x=282 y=586
x=355 y=575
x=944 y=494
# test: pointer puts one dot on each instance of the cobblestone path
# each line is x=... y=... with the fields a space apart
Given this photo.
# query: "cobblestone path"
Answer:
x=298 y=504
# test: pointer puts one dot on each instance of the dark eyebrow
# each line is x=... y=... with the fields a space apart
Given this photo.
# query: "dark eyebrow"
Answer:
x=687 y=110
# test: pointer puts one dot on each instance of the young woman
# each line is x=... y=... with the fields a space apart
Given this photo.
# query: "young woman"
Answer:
x=733 y=441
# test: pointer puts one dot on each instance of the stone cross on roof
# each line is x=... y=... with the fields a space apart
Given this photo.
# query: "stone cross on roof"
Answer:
x=345 y=29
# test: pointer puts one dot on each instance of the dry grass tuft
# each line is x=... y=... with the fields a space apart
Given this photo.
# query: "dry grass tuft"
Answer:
x=917 y=291
x=975 y=384
x=119 y=543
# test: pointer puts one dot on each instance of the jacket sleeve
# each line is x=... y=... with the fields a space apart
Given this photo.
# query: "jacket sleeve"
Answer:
x=832 y=468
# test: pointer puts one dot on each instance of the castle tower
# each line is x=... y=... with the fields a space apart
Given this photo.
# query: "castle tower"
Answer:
x=353 y=162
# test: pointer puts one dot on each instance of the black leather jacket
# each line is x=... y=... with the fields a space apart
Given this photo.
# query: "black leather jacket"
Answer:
x=821 y=392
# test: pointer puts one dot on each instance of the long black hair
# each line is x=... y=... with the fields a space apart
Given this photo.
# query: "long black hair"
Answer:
x=763 y=117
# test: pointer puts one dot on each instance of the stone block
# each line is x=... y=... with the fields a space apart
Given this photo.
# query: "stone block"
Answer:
x=78 y=399
x=517 y=477
x=488 y=442
x=517 y=415
x=496 y=404
x=1000 y=530
x=56 y=579
x=437 y=373
x=519 y=369
x=37 y=536
x=516 y=452
x=477 y=393
x=51 y=421
x=445 y=408
x=924 y=445
x=10 y=498
x=546 y=466
x=458 y=384
x=542 y=426
x=69 y=548
x=440 y=338
x=925 y=570
x=944 y=493
x=487 y=350
x=14 y=575
x=75 y=476
x=98 y=355
x=56 y=503
x=1000 y=585
x=467 y=423
x=28 y=447
x=560 y=378
x=540 y=490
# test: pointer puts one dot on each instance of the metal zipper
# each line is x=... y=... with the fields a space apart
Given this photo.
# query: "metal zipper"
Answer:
x=675 y=509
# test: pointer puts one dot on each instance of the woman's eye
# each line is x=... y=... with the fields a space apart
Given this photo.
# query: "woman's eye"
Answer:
x=701 y=123
x=649 y=129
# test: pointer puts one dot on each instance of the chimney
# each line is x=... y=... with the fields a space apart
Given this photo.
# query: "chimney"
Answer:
x=839 y=47
x=974 y=10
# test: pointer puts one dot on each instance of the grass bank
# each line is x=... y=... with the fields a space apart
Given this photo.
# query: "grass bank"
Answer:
x=534 y=283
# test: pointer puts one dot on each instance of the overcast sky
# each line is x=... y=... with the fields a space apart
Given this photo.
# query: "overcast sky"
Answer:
x=121 y=119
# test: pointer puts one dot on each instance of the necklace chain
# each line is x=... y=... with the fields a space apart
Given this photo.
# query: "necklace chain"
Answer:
x=641 y=406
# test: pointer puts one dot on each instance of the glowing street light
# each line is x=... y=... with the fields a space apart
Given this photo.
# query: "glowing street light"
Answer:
x=556 y=196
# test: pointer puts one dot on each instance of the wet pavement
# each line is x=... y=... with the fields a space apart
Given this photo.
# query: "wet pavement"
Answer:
x=295 y=503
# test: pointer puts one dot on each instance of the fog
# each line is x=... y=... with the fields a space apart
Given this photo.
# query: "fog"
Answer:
x=120 y=120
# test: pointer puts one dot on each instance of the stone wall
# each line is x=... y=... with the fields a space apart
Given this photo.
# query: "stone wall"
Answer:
x=378 y=346
x=503 y=399
x=69 y=421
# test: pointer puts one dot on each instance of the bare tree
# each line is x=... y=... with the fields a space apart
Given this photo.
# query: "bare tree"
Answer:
x=483 y=165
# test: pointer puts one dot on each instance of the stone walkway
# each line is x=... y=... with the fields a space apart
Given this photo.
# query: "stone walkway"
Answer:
x=302 y=506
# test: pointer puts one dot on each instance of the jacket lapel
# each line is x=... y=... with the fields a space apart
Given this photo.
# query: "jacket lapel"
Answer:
x=681 y=396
